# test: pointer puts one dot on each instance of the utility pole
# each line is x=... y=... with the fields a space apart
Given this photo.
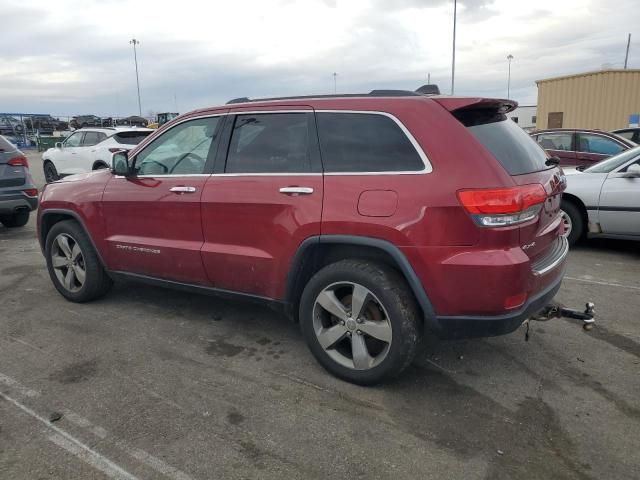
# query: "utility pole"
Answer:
x=509 y=57
x=453 y=57
x=135 y=42
x=335 y=83
x=626 y=57
x=429 y=78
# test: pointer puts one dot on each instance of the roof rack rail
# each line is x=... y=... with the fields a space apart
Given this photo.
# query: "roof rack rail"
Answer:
x=423 y=90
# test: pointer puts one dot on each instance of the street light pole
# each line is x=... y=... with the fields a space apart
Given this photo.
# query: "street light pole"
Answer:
x=453 y=57
x=509 y=57
x=135 y=42
x=335 y=83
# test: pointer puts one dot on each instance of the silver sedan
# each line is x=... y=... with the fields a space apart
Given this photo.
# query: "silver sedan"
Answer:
x=604 y=200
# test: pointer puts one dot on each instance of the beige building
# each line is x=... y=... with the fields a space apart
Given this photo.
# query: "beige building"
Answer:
x=606 y=100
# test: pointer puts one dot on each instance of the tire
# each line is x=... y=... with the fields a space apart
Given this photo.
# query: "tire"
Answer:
x=574 y=221
x=84 y=125
x=18 y=219
x=50 y=172
x=96 y=281
x=390 y=312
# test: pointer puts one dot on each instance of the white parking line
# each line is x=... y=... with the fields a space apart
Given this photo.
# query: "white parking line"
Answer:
x=10 y=382
x=596 y=282
x=75 y=446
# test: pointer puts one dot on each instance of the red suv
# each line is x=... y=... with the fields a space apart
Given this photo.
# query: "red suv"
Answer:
x=370 y=219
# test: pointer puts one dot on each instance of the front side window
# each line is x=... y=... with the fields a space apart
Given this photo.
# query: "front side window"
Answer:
x=363 y=142
x=182 y=150
x=270 y=143
x=555 y=141
x=598 y=144
x=74 y=140
x=614 y=162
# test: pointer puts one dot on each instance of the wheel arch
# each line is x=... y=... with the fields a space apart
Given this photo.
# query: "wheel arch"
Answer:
x=53 y=216
x=98 y=163
x=575 y=200
x=316 y=252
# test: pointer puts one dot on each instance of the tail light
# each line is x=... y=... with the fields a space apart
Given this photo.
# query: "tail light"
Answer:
x=31 y=192
x=503 y=206
x=20 y=161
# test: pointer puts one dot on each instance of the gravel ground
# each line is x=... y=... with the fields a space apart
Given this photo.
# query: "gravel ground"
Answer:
x=152 y=383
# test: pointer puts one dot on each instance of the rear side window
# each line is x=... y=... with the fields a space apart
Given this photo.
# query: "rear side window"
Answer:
x=363 y=142
x=270 y=143
x=516 y=151
x=130 y=138
x=93 y=138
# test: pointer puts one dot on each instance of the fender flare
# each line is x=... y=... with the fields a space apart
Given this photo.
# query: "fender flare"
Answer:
x=394 y=252
x=63 y=211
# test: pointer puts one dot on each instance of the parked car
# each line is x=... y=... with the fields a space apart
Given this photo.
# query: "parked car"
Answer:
x=580 y=148
x=18 y=194
x=10 y=126
x=84 y=121
x=133 y=120
x=356 y=215
x=604 y=200
x=44 y=124
x=89 y=149
x=631 y=133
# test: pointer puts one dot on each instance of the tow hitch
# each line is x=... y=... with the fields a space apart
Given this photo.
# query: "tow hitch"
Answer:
x=555 y=310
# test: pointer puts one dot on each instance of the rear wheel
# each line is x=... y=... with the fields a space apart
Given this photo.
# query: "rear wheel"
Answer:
x=573 y=222
x=50 y=172
x=73 y=264
x=18 y=219
x=360 y=321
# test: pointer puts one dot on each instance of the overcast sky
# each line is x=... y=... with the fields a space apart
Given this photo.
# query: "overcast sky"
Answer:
x=70 y=57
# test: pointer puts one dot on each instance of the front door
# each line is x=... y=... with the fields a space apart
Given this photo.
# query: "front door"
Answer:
x=264 y=203
x=65 y=158
x=153 y=217
x=619 y=209
x=592 y=148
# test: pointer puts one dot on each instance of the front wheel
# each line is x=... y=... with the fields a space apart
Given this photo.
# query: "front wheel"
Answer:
x=360 y=321
x=73 y=264
x=50 y=172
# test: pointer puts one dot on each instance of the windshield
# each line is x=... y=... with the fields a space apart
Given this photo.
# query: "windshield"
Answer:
x=614 y=162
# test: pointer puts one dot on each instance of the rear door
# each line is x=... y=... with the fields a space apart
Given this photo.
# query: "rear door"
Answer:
x=559 y=144
x=85 y=154
x=263 y=201
x=593 y=147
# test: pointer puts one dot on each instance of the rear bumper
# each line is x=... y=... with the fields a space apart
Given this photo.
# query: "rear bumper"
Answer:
x=16 y=201
x=490 y=326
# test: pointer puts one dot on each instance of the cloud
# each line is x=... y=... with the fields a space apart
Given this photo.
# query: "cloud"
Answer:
x=75 y=58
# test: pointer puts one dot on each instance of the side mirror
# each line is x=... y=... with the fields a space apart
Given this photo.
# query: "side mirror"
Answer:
x=120 y=164
x=581 y=168
x=633 y=171
x=58 y=145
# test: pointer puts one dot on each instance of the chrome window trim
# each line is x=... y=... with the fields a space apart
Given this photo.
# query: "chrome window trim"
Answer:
x=428 y=168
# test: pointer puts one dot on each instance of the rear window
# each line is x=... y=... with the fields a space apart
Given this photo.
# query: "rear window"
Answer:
x=130 y=138
x=508 y=143
x=363 y=142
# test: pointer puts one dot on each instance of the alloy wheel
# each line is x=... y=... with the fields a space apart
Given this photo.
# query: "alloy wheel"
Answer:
x=68 y=262
x=568 y=224
x=352 y=326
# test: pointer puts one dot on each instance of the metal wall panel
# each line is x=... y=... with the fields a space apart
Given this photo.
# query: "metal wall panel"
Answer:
x=602 y=100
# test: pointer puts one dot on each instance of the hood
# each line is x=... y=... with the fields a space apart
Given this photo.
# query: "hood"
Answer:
x=78 y=177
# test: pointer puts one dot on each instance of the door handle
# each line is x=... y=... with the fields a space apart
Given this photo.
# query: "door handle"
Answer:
x=296 y=190
x=182 y=189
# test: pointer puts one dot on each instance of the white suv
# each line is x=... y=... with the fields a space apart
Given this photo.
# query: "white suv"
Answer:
x=89 y=149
